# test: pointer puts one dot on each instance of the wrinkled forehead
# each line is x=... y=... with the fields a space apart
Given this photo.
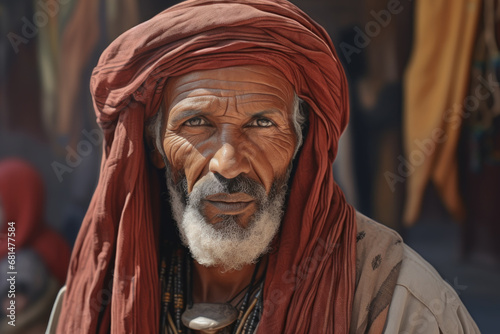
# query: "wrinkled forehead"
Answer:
x=250 y=82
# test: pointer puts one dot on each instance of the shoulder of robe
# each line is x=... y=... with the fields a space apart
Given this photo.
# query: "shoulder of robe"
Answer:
x=396 y=286
x=424 y=303
x=379 y=252
x=377 y=247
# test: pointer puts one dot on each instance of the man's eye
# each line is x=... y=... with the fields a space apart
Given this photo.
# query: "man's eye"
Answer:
x=261 y=123
x=196 y=121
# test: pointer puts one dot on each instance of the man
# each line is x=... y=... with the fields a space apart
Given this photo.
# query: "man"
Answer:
x=226 y=116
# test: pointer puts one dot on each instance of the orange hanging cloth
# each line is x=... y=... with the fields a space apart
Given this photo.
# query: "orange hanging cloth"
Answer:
x=436 y=101
x=113 y=283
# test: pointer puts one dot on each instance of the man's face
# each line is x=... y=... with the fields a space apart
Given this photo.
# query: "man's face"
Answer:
x=228 y=140
x=229 y=122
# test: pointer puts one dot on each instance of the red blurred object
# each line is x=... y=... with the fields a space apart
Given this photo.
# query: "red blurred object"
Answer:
x=22 y=196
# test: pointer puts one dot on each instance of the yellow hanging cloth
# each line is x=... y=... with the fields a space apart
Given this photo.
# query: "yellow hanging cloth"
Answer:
x=436 y=102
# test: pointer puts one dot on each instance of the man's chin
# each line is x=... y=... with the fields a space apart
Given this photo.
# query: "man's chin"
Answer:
x=228 y=241
x=226 y=244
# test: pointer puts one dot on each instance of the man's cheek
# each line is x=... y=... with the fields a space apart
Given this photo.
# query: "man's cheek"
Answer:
x=279 y=156
x=177 y=151
x=194 y=167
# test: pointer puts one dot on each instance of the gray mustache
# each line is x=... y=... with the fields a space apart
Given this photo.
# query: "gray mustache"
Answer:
x=216 y=183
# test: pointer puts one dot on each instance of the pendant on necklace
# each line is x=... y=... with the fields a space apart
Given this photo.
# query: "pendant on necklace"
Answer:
x=209 y=317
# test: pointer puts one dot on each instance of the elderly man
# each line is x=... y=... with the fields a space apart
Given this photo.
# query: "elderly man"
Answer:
x=216 y=209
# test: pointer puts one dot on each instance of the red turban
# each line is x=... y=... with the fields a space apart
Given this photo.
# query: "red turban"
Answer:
x=113 y=279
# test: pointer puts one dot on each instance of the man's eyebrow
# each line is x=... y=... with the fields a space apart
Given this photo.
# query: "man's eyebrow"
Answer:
x=195 y=112
x=185 y=114
x=263 y=112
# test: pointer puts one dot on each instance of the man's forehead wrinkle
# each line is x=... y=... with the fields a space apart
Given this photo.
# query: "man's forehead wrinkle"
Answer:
x=223 y=87
x=262 y=70
x=264 y=96
x=251 y=85
x=261 y=103
x=215 y=95
x=254 y=69
x=190 y=106
x=188 y=98
x=227 y=107
x=247 y=103
x=270 y=73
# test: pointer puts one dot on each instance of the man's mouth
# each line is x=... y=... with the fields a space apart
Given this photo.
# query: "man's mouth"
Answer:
x=230 y=204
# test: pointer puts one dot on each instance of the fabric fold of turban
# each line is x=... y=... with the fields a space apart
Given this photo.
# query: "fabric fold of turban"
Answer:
x=113 y=283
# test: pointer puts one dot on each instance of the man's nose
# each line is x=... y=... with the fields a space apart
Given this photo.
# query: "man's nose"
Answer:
x=229 y=161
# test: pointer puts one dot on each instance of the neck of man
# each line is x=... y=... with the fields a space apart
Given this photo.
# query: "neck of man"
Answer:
x=213 y=285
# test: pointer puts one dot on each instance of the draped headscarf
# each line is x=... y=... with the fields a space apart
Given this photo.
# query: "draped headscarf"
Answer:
x=113 y=280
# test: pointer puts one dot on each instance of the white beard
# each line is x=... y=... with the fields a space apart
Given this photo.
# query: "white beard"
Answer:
x=226 y=244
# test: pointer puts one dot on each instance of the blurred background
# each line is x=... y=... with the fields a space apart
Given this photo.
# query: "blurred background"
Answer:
x=421 y=153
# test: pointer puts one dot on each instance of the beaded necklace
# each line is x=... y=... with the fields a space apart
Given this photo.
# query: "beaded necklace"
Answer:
x=175 y=271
